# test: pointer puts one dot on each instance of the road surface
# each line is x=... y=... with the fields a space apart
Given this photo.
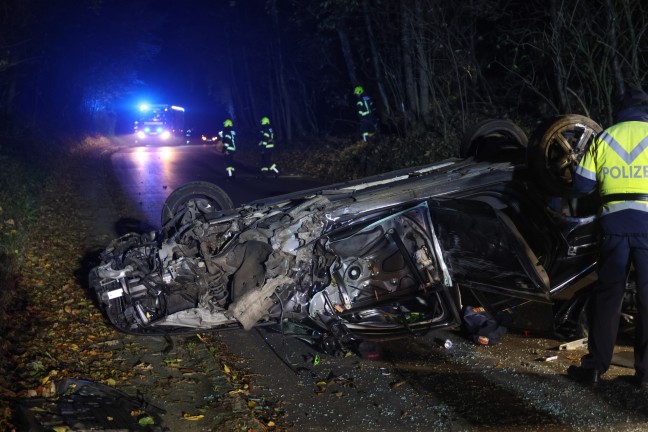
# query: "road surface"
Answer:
x=148 y=174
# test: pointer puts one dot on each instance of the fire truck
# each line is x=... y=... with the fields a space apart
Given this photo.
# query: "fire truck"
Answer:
x=159 y=122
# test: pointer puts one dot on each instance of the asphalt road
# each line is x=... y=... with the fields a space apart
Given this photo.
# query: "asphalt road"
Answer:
x=415 y=384
x=149 y=173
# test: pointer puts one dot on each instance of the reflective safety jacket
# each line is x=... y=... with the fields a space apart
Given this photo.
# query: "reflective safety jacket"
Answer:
x=365 y=106
x=618 y=161
x=228 y=139
x=267 y=137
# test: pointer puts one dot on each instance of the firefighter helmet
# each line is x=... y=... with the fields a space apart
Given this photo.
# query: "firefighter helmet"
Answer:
x=358 y=90
x=265 y=121
x=228 y=123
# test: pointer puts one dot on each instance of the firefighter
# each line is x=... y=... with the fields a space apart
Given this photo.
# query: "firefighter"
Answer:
x=366 y=112
x=229 y=146
x=267 y=148
x=617 y=164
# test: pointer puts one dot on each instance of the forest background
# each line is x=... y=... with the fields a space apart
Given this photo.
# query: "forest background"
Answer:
x=433 y=67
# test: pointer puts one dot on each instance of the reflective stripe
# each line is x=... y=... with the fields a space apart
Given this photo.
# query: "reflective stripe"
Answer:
x=364 y=110
x=623 y=205
x=623 y=153
x=619 y=157
x=584 y=172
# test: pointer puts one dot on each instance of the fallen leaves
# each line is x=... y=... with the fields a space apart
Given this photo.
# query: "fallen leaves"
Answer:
x=57 y=332
x=49 y=376
x=172 y=362
x=146 y=421
x=397 y=384
x=143 y=366
x=192 y=417
x=333 y=385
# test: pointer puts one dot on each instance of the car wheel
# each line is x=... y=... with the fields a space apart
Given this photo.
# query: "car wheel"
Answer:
x=555 y=149
x=194 y=200
x=489 y=137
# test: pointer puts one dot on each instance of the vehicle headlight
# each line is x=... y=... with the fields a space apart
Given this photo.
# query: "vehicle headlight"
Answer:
x=141 y=135
x=165 y=135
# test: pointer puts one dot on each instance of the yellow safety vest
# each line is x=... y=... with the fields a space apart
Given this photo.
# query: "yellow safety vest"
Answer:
x=618 y=161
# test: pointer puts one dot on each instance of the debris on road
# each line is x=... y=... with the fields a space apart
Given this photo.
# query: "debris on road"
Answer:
x=87 y=405
x=578 y=343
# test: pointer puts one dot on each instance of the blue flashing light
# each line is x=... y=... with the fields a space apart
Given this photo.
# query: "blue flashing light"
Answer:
x=177 y=108
x=159 y=129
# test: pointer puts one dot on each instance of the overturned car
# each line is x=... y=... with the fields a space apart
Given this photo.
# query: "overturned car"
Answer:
x=390 y=255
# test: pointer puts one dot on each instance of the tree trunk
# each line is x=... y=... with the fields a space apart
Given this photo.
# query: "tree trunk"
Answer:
x=284 y=100
x=412 y=105
x=616 y=65
x=422 y=53
x=347 y=55
x=375 y=59
x=247 y=103
x=556 y=50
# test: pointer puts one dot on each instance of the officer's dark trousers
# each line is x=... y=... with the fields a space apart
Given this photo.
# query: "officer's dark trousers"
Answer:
x=266 y=159
x=617 y=253
x=229 y=159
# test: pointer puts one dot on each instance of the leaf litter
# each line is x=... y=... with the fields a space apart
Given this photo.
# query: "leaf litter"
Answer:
x=55 y=332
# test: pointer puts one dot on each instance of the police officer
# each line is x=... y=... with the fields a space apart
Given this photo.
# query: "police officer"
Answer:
x=366 y=112
x=617 y=162
x=229 y=146
x=267 y=148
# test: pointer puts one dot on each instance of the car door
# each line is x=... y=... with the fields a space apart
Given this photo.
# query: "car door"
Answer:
x=485 y=251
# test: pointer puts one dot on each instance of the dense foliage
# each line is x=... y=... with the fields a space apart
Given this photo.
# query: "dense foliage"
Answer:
x=432 y=66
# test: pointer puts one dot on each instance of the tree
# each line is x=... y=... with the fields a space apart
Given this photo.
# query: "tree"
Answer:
x=18 y=50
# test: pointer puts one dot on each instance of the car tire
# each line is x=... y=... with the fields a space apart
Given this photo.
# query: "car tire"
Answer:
x=489 y=137
x=556 y=148
x=207 y=198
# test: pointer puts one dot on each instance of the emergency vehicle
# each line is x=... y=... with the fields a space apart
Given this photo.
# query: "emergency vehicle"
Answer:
x=159 y=122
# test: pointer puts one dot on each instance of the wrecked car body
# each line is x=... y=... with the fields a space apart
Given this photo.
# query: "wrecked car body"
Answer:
x=393 y=254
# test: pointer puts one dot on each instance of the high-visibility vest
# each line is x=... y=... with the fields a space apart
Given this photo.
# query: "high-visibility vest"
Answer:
x=228 y=139
x=365 y=106
x=267 y=137
x=617 y=160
